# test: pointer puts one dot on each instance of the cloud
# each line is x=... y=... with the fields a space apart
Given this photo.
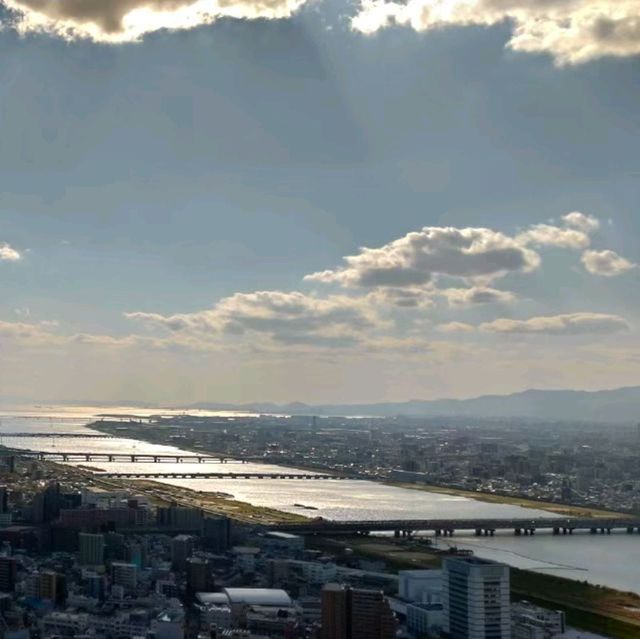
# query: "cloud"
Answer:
x=476 y=295
x=455 y=327
x=570 y=324
x=418 y=257
x=582 y=222
x=117 y=21
x=606 y=263
x=571 y=31
x=25 y=332
x=404 y=298
x=292 y=318
x=549 y=235
x=7 y=253
x=46 y=334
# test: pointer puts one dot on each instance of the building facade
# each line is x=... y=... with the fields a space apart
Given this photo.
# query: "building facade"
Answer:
x=476 y=599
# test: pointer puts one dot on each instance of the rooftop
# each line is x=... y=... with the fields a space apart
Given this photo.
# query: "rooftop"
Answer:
x=258 y=596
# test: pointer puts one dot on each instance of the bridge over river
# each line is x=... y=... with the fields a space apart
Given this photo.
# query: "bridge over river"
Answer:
x=480 y=527
x=153 y=458
x=227 y=475
x=87 y=435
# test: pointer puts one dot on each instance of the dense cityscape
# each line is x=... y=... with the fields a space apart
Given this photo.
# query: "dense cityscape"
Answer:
x=319 y=319
x=86 y=561
x=570 y=463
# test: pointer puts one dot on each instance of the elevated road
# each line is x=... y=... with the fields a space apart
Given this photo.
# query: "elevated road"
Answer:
x=480 y=527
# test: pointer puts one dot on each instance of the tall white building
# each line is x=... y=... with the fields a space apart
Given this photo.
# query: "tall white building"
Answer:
x=476 y=599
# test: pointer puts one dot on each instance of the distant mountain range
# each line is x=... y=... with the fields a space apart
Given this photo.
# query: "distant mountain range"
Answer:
x=619 y=405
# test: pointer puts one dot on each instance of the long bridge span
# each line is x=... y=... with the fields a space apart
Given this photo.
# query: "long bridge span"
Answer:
x=153 y=458
x=27 y=435
x=227 y=475
x=480 y=527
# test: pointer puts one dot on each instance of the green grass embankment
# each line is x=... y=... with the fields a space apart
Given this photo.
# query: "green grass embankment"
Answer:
x=593 y=608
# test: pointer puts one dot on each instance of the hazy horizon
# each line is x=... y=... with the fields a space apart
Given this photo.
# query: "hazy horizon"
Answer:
x=198 y=406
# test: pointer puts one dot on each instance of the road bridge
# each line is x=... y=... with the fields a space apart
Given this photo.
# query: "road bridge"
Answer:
x=227 y=475
x=57 y=435
x=83 y=456
x=480 y=527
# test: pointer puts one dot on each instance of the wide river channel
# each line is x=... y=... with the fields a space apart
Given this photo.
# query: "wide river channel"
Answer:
x=609 y=560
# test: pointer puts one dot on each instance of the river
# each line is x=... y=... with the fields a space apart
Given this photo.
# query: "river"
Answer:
x=605 y=560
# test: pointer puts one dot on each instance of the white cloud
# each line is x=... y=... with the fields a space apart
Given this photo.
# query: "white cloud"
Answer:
x=45 y=334
x=549 y=235
x=572 y=31
x=455 y=327
x=582 y=222
x=606 y=263
x=7 y=253
x=128 y=20
x=476 y=295
x=24 y=332
x=286 y=318
x=569 y=324
x=418 y=257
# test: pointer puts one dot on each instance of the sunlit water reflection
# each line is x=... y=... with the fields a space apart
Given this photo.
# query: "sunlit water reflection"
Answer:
x=607 y=560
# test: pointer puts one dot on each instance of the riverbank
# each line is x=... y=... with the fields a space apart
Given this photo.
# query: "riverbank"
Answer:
x=161 y=494
x=588 y=607
x=594 y=608
x=563 y=510
x=603 y=608
x=220 y=504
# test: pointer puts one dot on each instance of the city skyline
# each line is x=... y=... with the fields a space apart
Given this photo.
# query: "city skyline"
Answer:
x=306 y=206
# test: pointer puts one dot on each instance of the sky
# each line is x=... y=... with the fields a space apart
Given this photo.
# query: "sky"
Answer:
x=318 y=201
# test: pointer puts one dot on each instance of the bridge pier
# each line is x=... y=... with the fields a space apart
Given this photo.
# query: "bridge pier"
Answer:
x=517 y=532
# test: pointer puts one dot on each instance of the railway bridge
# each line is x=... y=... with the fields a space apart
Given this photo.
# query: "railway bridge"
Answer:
x=480 y=527
x=227 y=475
x=153 y=458
x=27 y=435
